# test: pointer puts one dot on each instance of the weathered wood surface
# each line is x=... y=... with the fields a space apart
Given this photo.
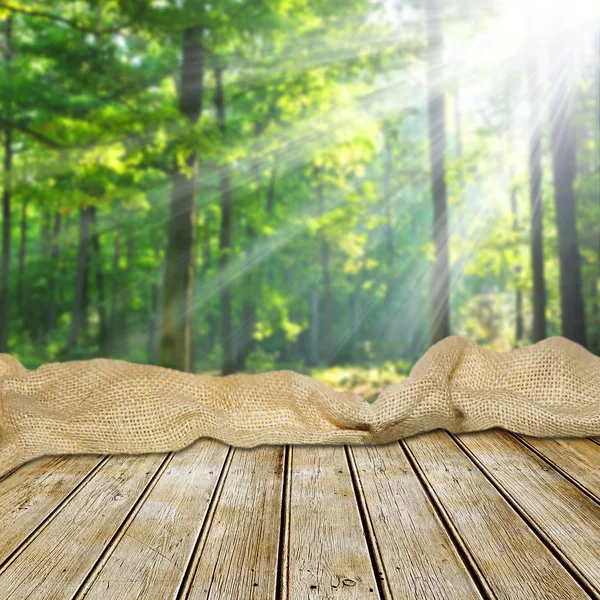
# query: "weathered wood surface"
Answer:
x=487 y=515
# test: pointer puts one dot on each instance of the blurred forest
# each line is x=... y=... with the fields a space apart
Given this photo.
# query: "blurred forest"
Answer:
x=300 y=184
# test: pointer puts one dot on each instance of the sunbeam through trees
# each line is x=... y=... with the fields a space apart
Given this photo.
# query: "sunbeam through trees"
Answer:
x=297 y=184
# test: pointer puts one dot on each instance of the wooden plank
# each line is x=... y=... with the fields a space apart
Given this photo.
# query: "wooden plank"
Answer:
x=512 y=559
x=238 y=557
x=151 y=556
x=55 y=563
x=327 y=556
x=567 y=519
x=418 y=555
x=578 y=459
x=34 y=493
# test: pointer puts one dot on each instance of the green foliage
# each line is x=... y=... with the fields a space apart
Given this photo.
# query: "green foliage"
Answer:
x=319 y=99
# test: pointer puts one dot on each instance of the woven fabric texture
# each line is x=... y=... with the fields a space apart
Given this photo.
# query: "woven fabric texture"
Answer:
x=550 y=389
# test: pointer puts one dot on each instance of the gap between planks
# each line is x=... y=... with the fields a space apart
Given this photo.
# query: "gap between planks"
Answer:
x=283 y=562
x=381 y=577
x=52 y=515
x=192 y=566
x=452 y=531
x=117 y=536
x=571 y=479
x=560 y=556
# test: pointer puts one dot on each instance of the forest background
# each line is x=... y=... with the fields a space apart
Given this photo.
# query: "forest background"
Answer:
x=324 y=186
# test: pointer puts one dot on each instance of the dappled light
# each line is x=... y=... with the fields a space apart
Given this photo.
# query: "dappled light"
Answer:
x=329 y=187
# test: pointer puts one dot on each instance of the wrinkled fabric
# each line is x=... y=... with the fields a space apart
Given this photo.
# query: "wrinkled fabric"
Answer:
x=550 y=389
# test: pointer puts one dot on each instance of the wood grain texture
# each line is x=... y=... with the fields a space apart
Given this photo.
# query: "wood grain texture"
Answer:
x=436 y=516
x=513 y=560
x=328 y=553
x=56 y=562
x=419 y=557
x=239 y=556
x=566 y=518
x=30 y=496
x=578 y=459
x=150 y=559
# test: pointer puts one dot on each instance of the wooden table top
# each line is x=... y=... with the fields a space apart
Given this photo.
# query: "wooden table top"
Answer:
x=486 y=515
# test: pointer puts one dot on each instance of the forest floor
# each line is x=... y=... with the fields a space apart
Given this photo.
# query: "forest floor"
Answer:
x=367 y=381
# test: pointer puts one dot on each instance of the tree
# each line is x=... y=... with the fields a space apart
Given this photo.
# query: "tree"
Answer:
x=6 y=202
x=562 y=131
x=225 y=236
x=79 y=302
x=326 y=273
x=180 y=258
x=440 y=279
x=535 y=194
x=99 y=278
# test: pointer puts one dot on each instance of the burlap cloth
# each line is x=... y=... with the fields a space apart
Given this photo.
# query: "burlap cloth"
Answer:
x=111 y=406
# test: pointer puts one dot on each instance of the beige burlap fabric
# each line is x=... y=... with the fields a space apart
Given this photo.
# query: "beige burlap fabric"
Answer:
x=110 y=406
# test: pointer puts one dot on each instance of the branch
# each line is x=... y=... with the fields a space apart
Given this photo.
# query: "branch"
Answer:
x=40 y=137
x=70 y=22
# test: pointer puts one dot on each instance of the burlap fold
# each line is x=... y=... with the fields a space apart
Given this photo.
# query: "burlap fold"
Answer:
x=108 y=406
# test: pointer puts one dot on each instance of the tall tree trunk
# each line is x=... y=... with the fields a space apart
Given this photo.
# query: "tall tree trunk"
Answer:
x=22 y=252
x=100 y=292
x=85 y=302
x=535 y=196
x=54 y=273
x=179 y=279
x=270 y=205
x=327 y=293
x=254 y=276
x=562 y=130
x=519 y=327
x=356 y=323
x=115 y=300
x=271 y=189
x=459 y=141
x=77 y=318
x=389 y=238
x=46 y=230
x=412 y=309
x=315 y=354
x=514 y=208
x=6 y=210
x=225 y=238
x=440 y=281
x=595 y=313
x=154 y=331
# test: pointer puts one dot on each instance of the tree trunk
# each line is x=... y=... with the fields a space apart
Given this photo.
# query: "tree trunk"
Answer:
x=22 y=252
x=55 y=254
x=412 y=309
x=356 y=323
x=514 y=208
x=389 y=237
x=519 y=327
x=315 y=354
x=327 y=294
x=6 y=245
x=154 y=331
x=225 y=239
x=77 y=319
x=535 y=196
x=459 y=142
x=271 y=188
x=100 y=292
x=440 y=282
x=562 y=130
x=6 y=211
x=179 y=279
x=114 y=296
x=595 y=313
